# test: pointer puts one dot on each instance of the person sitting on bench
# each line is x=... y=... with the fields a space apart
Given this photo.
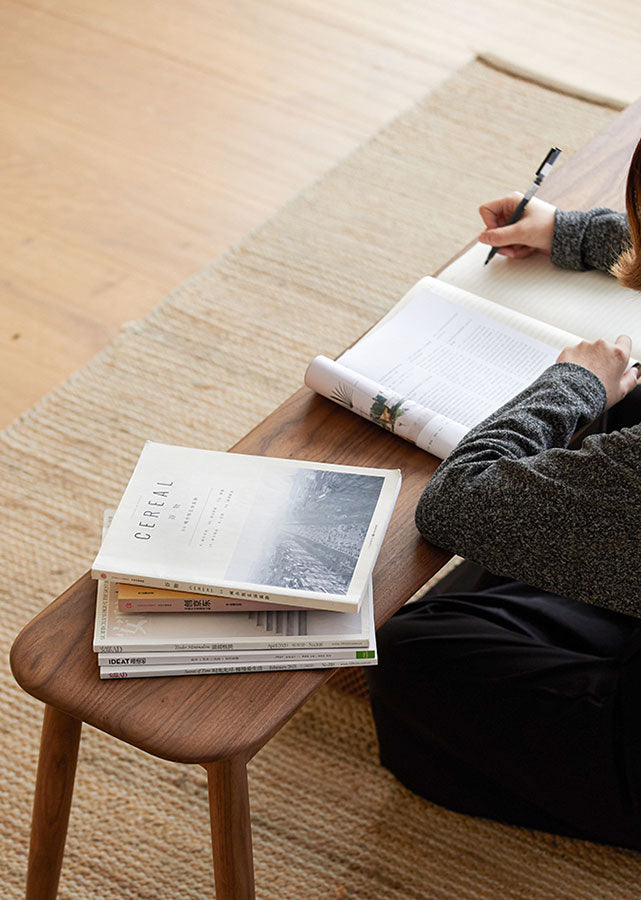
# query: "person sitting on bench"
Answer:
x=512 y=690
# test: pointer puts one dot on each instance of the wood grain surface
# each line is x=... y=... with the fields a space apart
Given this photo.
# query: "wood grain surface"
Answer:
x=52 y=802
x=231 y=829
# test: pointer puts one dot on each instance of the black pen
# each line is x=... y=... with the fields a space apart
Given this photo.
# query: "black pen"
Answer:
x=541 y=172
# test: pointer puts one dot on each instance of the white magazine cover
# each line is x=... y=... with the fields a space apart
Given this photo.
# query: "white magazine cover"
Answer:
x=278 y=530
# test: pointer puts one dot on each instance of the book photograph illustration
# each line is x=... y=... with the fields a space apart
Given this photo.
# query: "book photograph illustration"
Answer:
x=383 y=411
x=305 y=530
x=456 y=348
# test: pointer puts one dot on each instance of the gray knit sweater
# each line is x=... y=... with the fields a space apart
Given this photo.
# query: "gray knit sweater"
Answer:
x=513 y=498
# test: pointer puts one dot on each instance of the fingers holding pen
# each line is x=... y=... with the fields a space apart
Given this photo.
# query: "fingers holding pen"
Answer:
x=507 y=242
x=515 y=224
x=497 y=213
x=532 y=232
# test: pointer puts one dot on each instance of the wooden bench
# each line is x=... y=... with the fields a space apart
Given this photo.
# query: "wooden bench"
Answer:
x=220 y=722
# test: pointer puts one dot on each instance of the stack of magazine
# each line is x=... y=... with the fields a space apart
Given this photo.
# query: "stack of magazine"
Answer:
x=218 y=562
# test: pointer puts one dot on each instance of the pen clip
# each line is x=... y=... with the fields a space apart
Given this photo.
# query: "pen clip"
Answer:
x=549 y=161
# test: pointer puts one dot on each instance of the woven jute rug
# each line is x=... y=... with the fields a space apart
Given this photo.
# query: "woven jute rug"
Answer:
x=211 y=361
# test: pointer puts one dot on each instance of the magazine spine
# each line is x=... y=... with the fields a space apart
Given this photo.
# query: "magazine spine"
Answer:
x=266 y=643
x=159 y=671
x=330 y=602
x=231 y=658
x=207 y=604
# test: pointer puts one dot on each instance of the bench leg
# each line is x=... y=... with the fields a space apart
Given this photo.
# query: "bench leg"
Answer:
x=52 y=801
x=231 y=829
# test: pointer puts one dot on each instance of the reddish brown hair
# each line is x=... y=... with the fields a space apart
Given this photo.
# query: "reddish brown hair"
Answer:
x=627 y=268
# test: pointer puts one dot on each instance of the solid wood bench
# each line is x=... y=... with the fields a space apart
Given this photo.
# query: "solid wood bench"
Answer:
x=220 y=722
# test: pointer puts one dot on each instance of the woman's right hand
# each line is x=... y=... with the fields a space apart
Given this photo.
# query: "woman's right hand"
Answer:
x=532 y=232
x=609 y=362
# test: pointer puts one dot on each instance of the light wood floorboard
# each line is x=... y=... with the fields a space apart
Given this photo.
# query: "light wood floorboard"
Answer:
x=140 y=140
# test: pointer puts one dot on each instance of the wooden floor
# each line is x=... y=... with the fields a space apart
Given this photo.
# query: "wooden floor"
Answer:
x=141 y=139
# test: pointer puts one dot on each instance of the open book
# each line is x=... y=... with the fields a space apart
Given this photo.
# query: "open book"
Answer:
x=456 y=348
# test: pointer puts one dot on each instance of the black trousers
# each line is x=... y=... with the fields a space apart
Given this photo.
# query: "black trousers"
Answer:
x=516 y=705
x=497 y=699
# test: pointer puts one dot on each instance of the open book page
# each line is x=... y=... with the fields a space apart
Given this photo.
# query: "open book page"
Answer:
x=446 y=367
x=456 y=354
x=589 y=304
x=438 y=363
x=500 y=314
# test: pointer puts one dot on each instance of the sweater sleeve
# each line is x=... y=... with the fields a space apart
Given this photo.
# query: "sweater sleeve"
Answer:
x=589 y=240
x=513 y=498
